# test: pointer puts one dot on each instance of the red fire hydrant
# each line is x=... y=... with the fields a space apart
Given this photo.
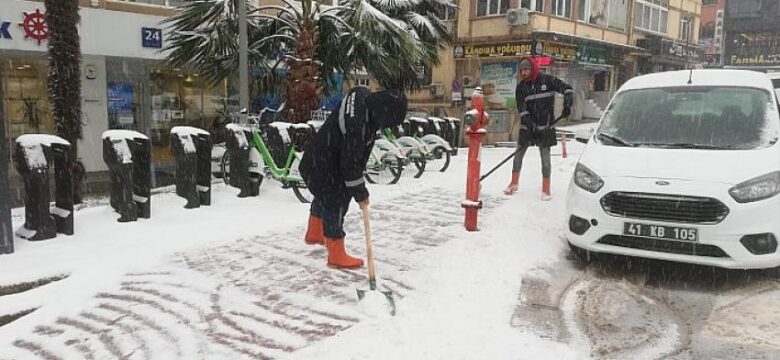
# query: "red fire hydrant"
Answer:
x=476 y=133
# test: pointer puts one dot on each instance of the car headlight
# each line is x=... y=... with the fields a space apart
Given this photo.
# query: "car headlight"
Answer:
x=586 y=179
x=760 y=188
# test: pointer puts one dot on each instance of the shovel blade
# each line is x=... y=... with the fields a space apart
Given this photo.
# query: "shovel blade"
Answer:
x=388 y=296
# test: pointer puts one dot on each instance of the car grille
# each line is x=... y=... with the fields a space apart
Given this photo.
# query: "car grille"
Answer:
x=665 y=246
x=676 y=208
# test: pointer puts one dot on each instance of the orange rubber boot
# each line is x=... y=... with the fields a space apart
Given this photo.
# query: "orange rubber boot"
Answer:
x=337 y=256
x=546 y=189
x=314 y=234
x=512 y=188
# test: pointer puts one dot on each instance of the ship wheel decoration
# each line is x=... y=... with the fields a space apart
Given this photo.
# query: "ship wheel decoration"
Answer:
x=34 y=25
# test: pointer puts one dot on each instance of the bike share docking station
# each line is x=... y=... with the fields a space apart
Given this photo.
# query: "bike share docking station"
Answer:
x=33 y=156
x=476 y=132
x=128 y=156
x=192 y=151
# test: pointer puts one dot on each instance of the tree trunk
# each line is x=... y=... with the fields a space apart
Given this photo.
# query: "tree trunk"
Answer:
x=303 y=84
x=62 y=18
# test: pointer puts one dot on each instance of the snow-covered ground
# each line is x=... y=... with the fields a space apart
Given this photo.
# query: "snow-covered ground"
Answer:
x=235 y=281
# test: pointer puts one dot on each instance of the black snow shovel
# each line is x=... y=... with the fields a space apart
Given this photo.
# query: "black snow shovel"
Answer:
x=371 y=270
x=511 y=155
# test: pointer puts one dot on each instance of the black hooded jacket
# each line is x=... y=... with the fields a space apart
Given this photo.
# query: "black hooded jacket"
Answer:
x=536 y=104
x=335 y=159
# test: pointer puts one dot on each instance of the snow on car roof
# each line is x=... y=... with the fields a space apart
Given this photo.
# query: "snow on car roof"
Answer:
x=709 y=77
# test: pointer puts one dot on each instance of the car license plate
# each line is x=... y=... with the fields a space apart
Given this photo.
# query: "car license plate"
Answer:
x=661 y=232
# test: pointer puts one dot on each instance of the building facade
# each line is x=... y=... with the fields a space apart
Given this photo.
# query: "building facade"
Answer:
x=594 y=45
x=752 y=34
x=711 y=39
x=125 y=83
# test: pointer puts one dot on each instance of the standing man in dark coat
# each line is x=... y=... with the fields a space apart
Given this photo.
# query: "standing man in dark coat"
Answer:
x=535 y=96
x=335 y=159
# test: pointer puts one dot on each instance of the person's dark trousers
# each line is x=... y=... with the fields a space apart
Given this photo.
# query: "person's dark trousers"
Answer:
x=332 y=211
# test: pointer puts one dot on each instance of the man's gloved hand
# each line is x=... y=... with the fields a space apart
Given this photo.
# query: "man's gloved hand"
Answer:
x=566 y=111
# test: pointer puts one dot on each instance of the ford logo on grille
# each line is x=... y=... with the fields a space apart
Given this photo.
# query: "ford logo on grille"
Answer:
x=662 y=183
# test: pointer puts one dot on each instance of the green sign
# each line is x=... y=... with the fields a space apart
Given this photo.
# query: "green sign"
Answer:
x=591 y=53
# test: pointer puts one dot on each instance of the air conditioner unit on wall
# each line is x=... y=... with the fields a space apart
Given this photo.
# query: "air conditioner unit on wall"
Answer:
x=468 y=81
x=437 y=90
x=517 y=17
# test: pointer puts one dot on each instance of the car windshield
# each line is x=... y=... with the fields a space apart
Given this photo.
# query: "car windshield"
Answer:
x=691 y=117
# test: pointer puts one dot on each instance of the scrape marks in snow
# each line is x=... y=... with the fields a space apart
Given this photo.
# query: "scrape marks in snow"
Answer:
x=257 y=298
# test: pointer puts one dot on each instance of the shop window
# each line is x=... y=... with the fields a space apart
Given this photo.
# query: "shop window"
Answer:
x=26 y=106
x=561 y=8
x=611 y=13
x=492 y=7
x=651 y=15
x=533 y=5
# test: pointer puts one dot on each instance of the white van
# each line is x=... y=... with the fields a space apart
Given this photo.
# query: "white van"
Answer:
x=684 y=166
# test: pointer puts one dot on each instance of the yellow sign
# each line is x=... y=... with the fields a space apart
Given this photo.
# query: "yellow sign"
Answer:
x=501 y=49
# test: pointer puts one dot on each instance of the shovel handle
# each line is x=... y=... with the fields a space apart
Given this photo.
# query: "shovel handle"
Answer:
x=369 y=253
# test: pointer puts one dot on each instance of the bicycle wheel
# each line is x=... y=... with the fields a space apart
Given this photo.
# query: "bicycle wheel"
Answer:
x=224 y=167
x=388 y=171
x=419 y=163
x=302 y=193
x=440 y=159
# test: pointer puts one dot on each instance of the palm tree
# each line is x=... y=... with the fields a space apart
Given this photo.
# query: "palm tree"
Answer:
x=390 y=39
x=62 y=18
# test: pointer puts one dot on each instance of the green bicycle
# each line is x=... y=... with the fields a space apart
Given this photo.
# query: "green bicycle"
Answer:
x=263 y=158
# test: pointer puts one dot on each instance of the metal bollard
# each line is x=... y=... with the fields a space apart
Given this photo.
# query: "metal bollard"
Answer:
x=563 y=146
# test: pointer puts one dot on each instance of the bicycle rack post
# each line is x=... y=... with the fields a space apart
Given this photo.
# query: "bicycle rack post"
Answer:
x=34 y=153
x=476 y=133
x=191 y=147
x=128 y=156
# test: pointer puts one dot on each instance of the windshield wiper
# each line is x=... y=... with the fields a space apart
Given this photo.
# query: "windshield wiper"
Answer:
x=690 y=146
x=615 y=139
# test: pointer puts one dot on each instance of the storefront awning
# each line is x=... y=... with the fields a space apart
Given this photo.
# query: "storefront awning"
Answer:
x=583 y=38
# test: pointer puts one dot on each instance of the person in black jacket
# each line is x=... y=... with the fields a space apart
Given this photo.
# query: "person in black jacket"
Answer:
x=535 y=97
x=334 y=161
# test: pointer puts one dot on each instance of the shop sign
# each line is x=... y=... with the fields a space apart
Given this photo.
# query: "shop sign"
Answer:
x=4 y=34
x=762 y=59
x=517 y=48
x=498 y=82
x=680 y=50
x=151 y=37
x=556 y=51
x=591 y=53
x=34 y=26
